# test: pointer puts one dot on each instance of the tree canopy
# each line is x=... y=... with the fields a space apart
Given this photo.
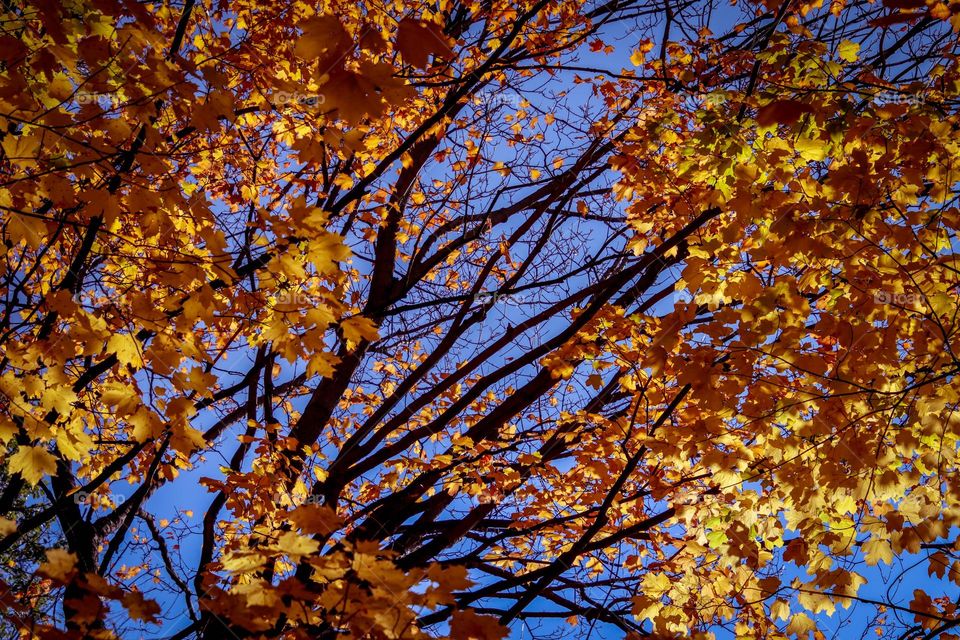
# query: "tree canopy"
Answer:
x=471 y=318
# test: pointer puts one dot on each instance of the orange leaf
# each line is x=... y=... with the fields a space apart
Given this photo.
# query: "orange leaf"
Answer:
x=60 y=565
x=417 y=41
x=325 y=40
x=140 y=608
x=467 y=625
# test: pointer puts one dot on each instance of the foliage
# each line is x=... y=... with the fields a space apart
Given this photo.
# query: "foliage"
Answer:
x=470 y=316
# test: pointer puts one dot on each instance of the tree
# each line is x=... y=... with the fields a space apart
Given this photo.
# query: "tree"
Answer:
x=549 y=315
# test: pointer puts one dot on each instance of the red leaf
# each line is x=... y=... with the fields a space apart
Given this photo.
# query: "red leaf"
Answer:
x=895 y=18
x=782 y=111
x=904 y=4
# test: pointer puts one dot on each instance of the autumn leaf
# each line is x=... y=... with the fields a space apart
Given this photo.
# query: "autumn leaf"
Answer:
x=876 y=550
x=848 y=50
x=351 y=96
x=32 y=463
x=801 y=625
x=468 y=625
x=27 y=229
x=638 y=57
x=140 y=608
x=325 y=41
x=311 y=518
x=782 y=112
x=59 y=566
x=417 y=41
x=453 y=578
x=296 y=546
x=242 y=562
x=357 y=328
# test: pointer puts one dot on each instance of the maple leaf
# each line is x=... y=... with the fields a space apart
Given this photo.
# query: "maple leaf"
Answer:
x=357 y=328
x=325 y=41
x=141 y=608
x=242 y=562
x=468 y=625
x=311 y=518
x=801 y=625
x=876 y=550
x=848 y=50
x=296 y=546
x=351 y=96
x=782 y=112
x=417 y=41
x=32 y=463
x=454 y=578
x=60 y=565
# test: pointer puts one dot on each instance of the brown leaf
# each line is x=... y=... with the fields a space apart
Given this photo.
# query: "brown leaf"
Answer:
x=904 y=4
x=782 y=111
x=467 y=625
x=417 y=41
x=140 y=608
x=325 y=40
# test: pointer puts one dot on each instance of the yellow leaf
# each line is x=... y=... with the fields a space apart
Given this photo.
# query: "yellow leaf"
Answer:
x=242 y=562
x=74 y=444
x=124 y=398
x=876 y=551
x=801 y=625
x=8 y=429
x=811 y=149
x=33 y=463
x=322 y=364
x=780 y=610
x=30 y=229
x=21 y=148
x=849 y=51
x=127 y=349
x=358 y=328
x=343 y=181
x=146 y=425
x=296 y=546
x=656 y=583
x=559 y=367
x=452 y=577
x=311 y=518
x=185 y=438
x=59 y=566
x=59 y=87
